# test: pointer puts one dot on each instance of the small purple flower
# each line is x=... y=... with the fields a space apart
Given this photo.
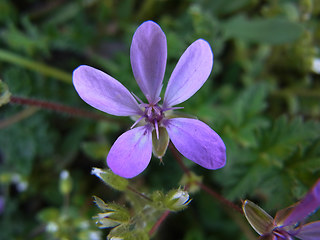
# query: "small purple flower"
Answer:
x=131 y=153
x=289 y=222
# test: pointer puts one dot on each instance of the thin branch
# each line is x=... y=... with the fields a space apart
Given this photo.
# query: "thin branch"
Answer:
x=178 y=158
x=211 y=192
x=18 y=117
x=159 y=222
x=61 y=108
x=219 y=197
x=138 y=193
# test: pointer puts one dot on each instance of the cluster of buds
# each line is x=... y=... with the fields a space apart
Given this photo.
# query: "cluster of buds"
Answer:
x=113 y=215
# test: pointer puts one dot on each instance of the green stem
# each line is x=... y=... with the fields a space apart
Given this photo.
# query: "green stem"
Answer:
x=35 y=66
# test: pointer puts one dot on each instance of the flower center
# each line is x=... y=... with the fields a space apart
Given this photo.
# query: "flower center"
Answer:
x=153 y=114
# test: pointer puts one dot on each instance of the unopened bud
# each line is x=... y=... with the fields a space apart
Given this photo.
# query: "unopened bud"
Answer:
x=65 y=182
x=177 y=200
x=192 y=181
x=111 y=179
x=112 y=216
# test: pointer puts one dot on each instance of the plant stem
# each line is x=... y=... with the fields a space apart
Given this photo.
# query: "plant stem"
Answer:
x=18 y=117
x=219 y=197
x=159 y=222
x=178 y=158
x=211 y=192
x=36 y=66
x=138 y=193
x=61 y=108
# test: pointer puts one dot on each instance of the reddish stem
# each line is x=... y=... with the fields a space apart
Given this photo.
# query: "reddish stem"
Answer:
x=159 y=222
x=219 y=197
x=60 y=108
x=178 y=158
x=211 y=192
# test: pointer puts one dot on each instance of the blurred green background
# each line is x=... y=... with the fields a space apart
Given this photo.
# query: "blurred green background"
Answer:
x=262 y=98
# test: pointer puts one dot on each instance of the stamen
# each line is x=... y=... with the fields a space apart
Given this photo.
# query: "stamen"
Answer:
x=136 y=122
x=157 y=129
x=139 y=100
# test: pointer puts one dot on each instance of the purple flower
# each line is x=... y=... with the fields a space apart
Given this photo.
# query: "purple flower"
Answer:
x=131 y=153
x=289 y=222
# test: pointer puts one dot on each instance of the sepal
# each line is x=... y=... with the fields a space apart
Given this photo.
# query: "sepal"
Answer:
x=111 y=179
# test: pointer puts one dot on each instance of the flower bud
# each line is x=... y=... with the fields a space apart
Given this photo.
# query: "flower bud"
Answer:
x=111 y=179
x=192 y=181
x=177 y=199
x=65 y=182
x=112 y=216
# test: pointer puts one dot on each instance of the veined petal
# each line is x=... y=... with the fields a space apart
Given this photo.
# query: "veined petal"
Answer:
x=103 y=92
x=191 y=72
x=309 y=231
x=197 y=142
x=306 y=206
x=131 y=152
x=148 y=54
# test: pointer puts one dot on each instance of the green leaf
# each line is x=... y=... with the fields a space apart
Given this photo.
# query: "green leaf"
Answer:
x=270 y=31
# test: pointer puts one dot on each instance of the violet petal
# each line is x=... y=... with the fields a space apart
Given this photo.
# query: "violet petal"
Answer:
x=190 y=73
x=310 y=231
x=103 y=92
x=197 y=142
x=306 y=206
x=148 y=54
x=131 y=152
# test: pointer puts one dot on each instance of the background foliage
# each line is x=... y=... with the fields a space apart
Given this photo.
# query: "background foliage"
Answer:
x=262 y=98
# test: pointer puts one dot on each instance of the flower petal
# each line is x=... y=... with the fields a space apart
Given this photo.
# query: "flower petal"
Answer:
x=305 y=207
x=309 y=231
x=197 y=142
x=148 y=54
x=190 y=74
x=131 y=153
x=103 y=92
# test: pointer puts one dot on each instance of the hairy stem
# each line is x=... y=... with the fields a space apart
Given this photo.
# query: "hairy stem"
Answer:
x=159 y=222
x=211 y=192
x=138 y=193
x=61 y=108
x=178 y=158
x=220 y=198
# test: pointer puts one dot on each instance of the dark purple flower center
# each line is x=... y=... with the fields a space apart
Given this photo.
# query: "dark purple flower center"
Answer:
x=153 y=114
